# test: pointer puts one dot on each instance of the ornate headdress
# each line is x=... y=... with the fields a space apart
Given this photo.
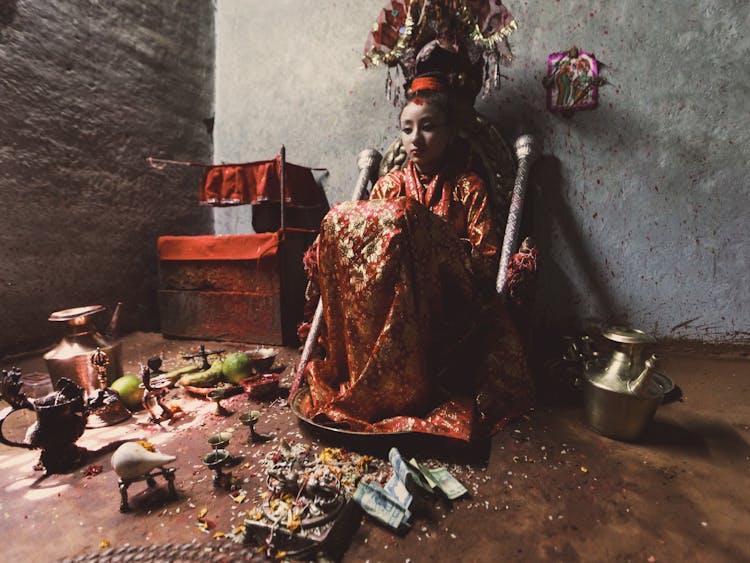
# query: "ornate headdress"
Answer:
x=466 y=40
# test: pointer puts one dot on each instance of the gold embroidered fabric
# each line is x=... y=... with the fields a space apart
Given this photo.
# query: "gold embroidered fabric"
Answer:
x=411 y=343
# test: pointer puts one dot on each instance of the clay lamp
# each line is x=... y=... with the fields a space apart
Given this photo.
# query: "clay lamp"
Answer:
x=218 y=395
x=220 y=440
x=250 y=419
x=215 y=461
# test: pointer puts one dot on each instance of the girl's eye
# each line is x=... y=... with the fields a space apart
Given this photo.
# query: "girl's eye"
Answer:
x=427 y=127
x=406 y=130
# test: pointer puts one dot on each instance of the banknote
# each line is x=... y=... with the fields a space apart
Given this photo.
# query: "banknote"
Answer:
x=397 y=489
x=406 y=473
x=447 y=483
x=380 y=505
x=424 y=472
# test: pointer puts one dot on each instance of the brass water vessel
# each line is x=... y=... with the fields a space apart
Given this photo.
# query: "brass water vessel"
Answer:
x=71 y=358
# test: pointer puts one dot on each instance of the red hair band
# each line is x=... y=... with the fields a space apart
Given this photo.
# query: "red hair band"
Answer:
x=426 y=83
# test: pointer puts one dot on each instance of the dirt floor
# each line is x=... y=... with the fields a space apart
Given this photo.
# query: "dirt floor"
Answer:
x=546 y=488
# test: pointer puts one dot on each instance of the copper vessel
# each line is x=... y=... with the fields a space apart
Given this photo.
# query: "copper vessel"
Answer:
x=71 y=358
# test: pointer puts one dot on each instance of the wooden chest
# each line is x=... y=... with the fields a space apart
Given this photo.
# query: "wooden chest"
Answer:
x=243 y=288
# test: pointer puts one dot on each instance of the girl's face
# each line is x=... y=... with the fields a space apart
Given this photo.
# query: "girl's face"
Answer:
x=425 y=134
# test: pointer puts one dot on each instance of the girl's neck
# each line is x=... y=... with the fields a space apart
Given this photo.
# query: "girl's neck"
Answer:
x=427 y=173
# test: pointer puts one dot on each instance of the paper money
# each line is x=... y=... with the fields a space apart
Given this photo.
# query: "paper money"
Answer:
x=397 y=489
x=447 y=483
x=408 y=475
x=424 y=472
x=380 y=505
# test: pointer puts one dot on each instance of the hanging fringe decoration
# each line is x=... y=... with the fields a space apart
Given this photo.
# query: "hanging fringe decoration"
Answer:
x=392 y=88
x=388 y=85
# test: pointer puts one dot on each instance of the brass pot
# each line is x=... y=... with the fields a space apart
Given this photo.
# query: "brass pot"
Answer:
x=71 y=358
x=621 y=397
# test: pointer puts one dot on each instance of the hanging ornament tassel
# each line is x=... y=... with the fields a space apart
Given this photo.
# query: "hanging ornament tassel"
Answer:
x=486 y=87
x=398 y=79
x=496 y=71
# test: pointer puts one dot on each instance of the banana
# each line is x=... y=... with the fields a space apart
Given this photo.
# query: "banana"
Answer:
x=174 y=375
x=207 y=378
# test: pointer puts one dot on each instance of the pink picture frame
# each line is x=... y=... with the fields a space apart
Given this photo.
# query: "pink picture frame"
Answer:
x=572 y=81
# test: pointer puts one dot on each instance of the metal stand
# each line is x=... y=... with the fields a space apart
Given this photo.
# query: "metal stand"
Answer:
x=166 y=472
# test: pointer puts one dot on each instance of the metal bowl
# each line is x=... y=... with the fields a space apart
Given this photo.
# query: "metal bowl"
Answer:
x=262 y=358
x=215 y=459
x=220 y=440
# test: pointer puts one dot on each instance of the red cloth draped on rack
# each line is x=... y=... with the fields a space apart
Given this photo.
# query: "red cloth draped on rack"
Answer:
x=259 y=184
x=414 y=340
x=256 y=182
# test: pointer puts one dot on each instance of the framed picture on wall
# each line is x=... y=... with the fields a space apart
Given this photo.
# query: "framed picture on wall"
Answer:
x=572 y=81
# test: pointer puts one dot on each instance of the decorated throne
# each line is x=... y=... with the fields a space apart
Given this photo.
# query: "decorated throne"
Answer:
x=465 y=42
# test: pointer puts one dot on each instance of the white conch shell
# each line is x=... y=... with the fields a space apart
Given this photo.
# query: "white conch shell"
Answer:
x=131 y=461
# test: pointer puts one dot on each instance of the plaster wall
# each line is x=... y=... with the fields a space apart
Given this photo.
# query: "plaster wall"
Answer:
x=88 y=90
x=639 y=207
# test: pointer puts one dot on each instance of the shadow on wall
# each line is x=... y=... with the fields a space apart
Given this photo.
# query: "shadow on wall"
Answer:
x=626 y=145
x=558 y=302
x=568 y=271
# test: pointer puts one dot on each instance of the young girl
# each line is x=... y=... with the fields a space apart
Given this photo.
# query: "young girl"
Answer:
x=416 y=338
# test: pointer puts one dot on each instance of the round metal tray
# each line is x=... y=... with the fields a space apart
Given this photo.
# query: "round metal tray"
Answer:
x=303 y=394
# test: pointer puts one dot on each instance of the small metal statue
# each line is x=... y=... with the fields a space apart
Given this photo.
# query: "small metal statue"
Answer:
x=105 y=407
x=60 y=421
x=578 y=358
x=203 y=354
x=154 y=393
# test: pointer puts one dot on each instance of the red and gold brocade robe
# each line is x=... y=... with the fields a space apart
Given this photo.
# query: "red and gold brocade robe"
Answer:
x=403 y=279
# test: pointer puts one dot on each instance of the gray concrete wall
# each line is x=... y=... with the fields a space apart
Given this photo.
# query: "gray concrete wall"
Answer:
x=88 y=90
x=640 y=207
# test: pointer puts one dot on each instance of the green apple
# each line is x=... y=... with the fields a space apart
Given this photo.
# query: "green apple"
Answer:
x=236 y=367
x=130 y=391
